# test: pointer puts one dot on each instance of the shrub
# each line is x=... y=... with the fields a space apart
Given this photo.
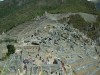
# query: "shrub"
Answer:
x=11 y=49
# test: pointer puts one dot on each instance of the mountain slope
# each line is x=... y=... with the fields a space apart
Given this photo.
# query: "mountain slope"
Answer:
x=12 y=15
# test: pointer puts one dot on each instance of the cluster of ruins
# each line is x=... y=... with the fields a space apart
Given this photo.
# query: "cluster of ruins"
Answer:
x=52 y=48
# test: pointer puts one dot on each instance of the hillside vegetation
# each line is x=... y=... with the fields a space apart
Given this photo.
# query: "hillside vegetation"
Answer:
x=12 y=15
x=91 y=29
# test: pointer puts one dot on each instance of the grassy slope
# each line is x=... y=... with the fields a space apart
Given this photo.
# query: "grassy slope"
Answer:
x=13 y=16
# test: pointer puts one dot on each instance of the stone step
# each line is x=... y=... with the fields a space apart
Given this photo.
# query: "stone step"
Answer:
x=80 y=60
x=93 y=72
x=86 y=65
x=88 y=62
x=80 y=72
x=83 y=71
x=98 y=72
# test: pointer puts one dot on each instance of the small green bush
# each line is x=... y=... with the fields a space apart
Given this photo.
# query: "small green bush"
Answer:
x=11 y=49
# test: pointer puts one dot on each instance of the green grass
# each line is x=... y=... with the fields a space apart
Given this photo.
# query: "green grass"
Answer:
x=4 y=58
x=8 y=40
x=1 y=69
x=78 y=22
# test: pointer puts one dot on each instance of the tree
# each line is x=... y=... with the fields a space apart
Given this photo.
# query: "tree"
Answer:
x=11 y=49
